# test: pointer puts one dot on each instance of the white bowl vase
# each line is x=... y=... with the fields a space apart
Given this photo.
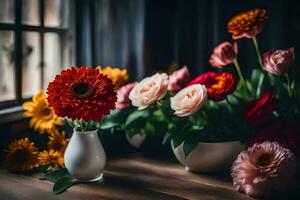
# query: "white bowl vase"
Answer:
x=85 y=157
x=137 y=140
x=209 y=157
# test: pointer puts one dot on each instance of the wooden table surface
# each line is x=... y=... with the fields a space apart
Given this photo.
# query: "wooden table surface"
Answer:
x=131 y=177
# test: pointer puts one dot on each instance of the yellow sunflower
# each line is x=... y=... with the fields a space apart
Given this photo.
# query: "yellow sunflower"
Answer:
x=54 y=158
x=57 y=140
x=21 y=156
x=117 y=75
x=42 y=116
x=248 y=24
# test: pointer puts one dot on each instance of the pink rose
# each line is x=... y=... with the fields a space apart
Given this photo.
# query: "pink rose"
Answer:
x=178 y=79
x=278 y=62
x=123 y=96
x=189 y=100
x=224 y=54
x=149 y=90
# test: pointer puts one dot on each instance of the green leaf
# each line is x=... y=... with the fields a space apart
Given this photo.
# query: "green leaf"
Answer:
x=178 y=139
x=136 y=117
x=188 y=147
x=113 y=119
x=63 y=184
x=168 y=136
x=149 y=129
x=55 y=175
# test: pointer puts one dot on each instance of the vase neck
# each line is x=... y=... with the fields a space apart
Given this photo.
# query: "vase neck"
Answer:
x=93 y=132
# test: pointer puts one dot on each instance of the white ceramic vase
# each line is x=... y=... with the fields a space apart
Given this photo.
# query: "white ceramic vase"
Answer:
x=137 y=140
x=209 y=157
x=85 y=157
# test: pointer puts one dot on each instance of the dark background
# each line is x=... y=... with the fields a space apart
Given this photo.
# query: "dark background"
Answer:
x=149 y=35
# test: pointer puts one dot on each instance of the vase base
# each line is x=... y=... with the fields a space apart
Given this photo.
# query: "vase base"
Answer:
x=92 y=180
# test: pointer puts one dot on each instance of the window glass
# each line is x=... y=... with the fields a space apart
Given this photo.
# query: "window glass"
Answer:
x=7 y=72
x=56 y=13
x=7 y=11
x=30 y=12
x=31 y=73
x=53 y=57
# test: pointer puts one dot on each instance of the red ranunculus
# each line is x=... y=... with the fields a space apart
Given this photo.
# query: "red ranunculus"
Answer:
x=82 y=93
x=259 y=110
x=218 y=85
x=286 y=134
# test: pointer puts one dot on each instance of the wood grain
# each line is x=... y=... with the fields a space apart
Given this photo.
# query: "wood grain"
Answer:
x=134 y=178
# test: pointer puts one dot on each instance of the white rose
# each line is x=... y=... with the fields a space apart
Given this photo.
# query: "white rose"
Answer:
x=189 y=100
x=149 y=90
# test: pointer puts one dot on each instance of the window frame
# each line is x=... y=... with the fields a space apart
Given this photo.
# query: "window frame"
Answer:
x=18 y=29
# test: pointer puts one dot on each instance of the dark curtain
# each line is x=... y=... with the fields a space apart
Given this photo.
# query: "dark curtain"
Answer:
x=149 y=35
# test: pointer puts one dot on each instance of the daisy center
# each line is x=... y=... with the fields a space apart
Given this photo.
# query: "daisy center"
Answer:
x=265 y=159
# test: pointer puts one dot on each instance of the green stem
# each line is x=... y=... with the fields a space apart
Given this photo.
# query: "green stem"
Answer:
x=258 y=52
x=81 y=123
x=238 y=69
x=229 y=105
x=289 y=84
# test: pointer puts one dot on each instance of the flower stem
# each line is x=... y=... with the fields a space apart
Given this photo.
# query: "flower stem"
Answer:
x=238 y=69
x=288 y=84
x=257 y=52
x=229 y=105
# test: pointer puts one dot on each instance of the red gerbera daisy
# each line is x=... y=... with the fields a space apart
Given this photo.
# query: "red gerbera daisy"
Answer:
x=218 y=85
x=81 y=93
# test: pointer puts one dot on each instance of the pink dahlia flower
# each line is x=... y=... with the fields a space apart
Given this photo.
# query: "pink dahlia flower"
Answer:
x=264 y=168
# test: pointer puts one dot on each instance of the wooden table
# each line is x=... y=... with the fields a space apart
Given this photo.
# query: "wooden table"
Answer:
x=132 y=177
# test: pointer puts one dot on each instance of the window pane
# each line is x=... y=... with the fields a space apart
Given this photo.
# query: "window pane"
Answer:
x=53 y=57
x=7 y=11
x=30 y=12
x=7 y=72
x=56 y=13
x=31 y=64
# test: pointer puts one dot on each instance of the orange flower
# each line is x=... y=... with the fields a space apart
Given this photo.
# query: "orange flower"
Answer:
x=21 y=156
x=117 y=75
x=51 y=157
x=248 y=24
x=57 y=141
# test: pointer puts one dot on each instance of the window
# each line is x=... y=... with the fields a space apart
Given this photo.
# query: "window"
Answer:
x=36 y=43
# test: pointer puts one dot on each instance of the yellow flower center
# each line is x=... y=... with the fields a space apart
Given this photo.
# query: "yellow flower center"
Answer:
x=218 y=83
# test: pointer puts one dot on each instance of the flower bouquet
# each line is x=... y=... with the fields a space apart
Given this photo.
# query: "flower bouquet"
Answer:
x=209 y=117
x=137 y=113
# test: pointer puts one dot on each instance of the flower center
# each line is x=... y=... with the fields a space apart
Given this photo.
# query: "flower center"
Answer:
x=22 y=156
x=217 y=83
x=265 y=159
x=46 y=112
x=81 y=90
